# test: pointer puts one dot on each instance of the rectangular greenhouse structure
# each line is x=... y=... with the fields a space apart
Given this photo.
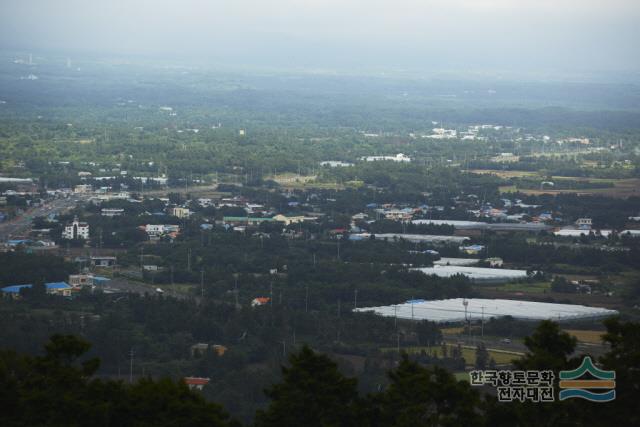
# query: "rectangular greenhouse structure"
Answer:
x=453 y=310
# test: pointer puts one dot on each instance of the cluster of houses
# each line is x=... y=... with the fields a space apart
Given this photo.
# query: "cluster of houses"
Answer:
x=76 y=283
x=158 y=231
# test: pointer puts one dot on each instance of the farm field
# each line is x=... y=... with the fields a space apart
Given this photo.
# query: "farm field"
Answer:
x=301 y=182
x=621 y=187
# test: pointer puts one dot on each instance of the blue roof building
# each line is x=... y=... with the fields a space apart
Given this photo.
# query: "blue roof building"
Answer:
x=99 y=280
x=58 y=288
x=56 y=285
x=16 y=242
x=14 y=289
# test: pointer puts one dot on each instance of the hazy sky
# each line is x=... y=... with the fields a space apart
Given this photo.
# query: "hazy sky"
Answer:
x=456 y=35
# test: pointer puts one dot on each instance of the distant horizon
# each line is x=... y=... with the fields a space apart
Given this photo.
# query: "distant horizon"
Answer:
x=214 y=64
x=543 y=39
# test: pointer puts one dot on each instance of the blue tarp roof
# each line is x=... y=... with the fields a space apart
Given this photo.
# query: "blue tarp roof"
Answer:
x=18 y=241
x=474 y=247
x=14 y=289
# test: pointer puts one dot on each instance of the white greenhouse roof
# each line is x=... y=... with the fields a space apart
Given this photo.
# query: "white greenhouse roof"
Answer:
x=572 y=232
x=428 y=238
x=452 y=222
x=474 y=273
x=453 y=310
x=456 y=261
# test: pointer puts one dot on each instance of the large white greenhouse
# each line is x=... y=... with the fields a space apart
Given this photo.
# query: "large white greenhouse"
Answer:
x=455 y=310
x=478 y=274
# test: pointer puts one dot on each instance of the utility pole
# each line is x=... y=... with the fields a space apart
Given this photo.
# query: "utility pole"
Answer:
x=131 y=353
x=355 y=299
x=482 y=324
x=468 y=320
x=306 y=298
x=189 y=259
x=395 y=316
x=202 y=283
x=235 y=289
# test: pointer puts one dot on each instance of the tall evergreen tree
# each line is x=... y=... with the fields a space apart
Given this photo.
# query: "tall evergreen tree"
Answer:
x=419 y=396
x=313 y=393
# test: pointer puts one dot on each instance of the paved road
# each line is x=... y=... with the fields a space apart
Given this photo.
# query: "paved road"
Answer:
x=20 y=226
x=121 y=284
x=517 y=346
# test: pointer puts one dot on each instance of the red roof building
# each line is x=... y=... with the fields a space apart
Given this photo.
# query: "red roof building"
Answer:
x=196 y=383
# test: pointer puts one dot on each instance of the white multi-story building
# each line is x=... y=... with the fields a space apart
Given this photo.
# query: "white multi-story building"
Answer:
x=112 y=212
x=76 y=230
x=180 y=212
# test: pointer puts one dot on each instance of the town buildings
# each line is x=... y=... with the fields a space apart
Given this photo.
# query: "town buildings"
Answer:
x=401 y=158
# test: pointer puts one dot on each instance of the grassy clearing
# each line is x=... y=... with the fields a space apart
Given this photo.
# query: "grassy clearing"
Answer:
x=505 y=174
x=301 y=182
x=507 y=189
x=621 y=188
x=461 y=376
x=292 y=178
x=591 y=337
x=536 y=288
x=453 y=330
x=502 y=357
